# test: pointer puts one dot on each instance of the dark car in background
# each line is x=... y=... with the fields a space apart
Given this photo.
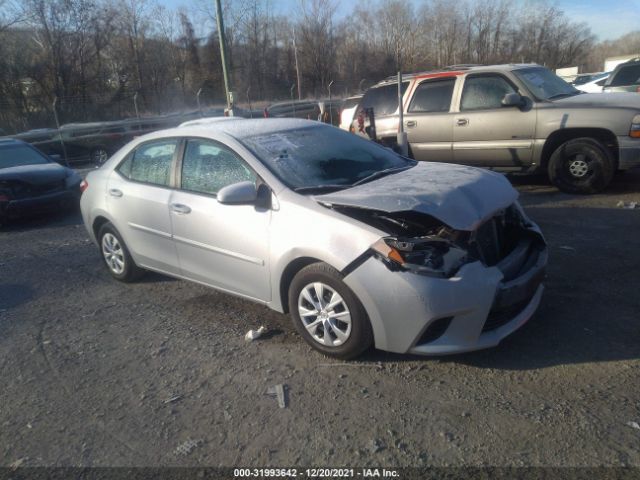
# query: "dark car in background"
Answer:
x=31 y=182
x=625 y=77
x=327 y=111
x=96 y=142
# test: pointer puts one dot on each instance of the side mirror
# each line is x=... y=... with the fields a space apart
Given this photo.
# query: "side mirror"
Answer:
x=513 y=100
x=241 y=193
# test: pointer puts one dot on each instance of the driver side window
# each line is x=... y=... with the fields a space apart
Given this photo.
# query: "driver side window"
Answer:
x=484 y=93
x=209 y=166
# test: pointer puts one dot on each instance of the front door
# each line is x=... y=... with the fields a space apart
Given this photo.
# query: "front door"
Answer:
x=225 y=246
x=487 y=133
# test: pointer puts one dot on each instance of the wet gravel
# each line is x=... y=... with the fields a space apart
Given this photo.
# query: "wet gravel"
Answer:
x=98 y=373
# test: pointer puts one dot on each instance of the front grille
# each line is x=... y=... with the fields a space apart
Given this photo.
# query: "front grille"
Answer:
x=497 y=237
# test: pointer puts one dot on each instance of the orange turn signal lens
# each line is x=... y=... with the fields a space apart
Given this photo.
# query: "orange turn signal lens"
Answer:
x=388 y=252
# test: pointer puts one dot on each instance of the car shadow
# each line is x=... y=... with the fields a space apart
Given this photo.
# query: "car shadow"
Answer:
x=13 y=295
x=536 y=189
x=32 y=222
x=589 y=310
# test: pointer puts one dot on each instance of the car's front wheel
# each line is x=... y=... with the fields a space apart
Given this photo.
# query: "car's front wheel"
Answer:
x=581 y=165
x=327 y=313
x=116 y=256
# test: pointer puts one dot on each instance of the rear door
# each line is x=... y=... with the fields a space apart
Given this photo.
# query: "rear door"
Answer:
x=487 y=134
x=138 y=193
x=225 y=246
x=428 y=121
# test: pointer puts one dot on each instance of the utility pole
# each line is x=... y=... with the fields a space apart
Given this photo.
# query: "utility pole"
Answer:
x=295 y=56
x=223 y=52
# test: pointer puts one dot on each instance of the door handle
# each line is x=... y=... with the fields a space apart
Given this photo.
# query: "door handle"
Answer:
x=180 y=209
x=411 y=123
x=114 y=192
x=462 y=122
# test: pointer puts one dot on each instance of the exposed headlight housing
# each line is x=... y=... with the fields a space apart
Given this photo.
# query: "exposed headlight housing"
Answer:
x=425 y=255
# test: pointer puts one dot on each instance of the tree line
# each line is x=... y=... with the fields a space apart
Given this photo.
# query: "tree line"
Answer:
x=102 y=59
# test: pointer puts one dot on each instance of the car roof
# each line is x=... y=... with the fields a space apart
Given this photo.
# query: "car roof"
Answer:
x=11 y=141
x=247 y=127
x=455 y=70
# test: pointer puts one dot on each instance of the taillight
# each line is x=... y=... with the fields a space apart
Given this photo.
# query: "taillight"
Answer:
x=4 y=198
x=638 y=89
x=83 y=186
x=265 y=112
x=634 y=131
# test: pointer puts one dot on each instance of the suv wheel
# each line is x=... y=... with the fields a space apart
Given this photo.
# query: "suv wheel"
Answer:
x=327 y=313
x=581 y=165
x=116 y=256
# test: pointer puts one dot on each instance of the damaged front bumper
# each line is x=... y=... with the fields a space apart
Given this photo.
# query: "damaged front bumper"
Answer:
x=474 y=309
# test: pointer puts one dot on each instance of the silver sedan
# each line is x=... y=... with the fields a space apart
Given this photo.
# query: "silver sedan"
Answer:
x=361 y=246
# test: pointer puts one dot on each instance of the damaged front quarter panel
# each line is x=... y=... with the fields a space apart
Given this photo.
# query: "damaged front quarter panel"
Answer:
x=421 y=244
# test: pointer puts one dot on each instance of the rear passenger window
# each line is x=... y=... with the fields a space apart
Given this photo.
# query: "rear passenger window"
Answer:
x=626 y=76
x=433 y=96
x=209 y=166
x=150 y=163
x=383 y=100
x=483 y=93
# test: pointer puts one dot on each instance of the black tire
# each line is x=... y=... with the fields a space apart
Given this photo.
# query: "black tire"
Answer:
x=130 y=271
x=360 y=337
x=581 y=165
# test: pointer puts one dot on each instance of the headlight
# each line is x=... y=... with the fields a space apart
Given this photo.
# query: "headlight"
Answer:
x=635 y=127
x=426 y=255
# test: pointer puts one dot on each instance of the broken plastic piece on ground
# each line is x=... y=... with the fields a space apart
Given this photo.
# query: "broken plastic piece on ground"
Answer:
x=187 y=447
x=634 y=425
x=628 y=206
x=279 y=391
x=253 y=334
x=175 y=398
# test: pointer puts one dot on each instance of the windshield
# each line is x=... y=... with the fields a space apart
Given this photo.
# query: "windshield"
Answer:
x=545 y=84
x=19 y=155
x=322 y=156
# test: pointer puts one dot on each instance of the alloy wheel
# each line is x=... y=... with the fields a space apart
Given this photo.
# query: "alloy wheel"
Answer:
x=324 y=314
x=100 y=156
x=113 y=253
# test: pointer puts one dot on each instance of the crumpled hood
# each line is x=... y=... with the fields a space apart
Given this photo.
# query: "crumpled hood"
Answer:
x=617 y=99
x=35 y=174
x=461 y=197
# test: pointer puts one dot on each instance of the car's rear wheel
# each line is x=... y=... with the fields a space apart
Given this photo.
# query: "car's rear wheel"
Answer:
x=99 y=156
x=327 y=313
x=116 y=256
x=581 y=165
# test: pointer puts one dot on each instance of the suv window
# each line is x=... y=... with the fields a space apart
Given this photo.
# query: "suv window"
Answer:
x=628 y=75
x=383 y=100
x=150 y=162
x=208 y=166
x=433 y=96
x=351 y=102
x=486 y=92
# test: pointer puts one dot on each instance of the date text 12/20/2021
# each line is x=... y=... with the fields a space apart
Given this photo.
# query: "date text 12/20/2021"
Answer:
x=315 y=473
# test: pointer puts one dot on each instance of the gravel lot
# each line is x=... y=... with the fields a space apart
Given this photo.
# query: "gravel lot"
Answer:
x=97 y=373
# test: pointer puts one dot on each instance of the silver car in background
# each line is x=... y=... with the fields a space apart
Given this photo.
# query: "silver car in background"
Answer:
x=362 y=246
